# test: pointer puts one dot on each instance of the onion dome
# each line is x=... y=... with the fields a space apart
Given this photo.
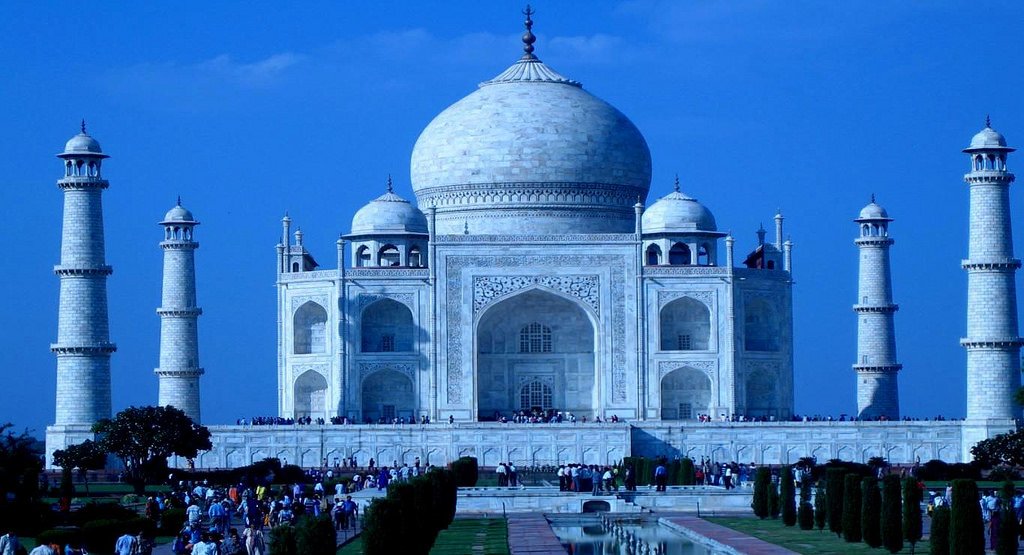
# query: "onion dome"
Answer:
x=988 y=139
x=873 y=212
x=178 y=214
x=82 y=144
x=531 y=142
x=389 y=214
x=677 y=212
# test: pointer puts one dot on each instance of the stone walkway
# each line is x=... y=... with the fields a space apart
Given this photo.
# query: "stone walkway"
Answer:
x=530 y=534
x=692 y=526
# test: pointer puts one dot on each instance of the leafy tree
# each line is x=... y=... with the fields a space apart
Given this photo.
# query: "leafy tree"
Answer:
x=82 y=457
x=762 y=502
x=870 y=512
x=820 y=506
x=315 y=536
x=834 y=494
x=1008 y=526
x=966 y=530
x=788 y=497
x=1003 y=449
x=851 y=508
x=939 y=538
x=912 y=494
x=805 y=514
x=892 y=514
x=20 y=464
x=144 y=437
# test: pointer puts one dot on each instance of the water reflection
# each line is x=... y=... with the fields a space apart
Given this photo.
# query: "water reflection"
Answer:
x=609 y=535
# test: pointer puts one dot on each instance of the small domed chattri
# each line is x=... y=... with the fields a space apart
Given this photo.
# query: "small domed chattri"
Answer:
x=988 y=139
x=676 y=212
x=873 y=211
x=178 y=214
x=82 y=143
x=389 y=214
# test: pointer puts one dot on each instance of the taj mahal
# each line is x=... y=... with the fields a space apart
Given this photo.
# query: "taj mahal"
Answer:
x=538 y=270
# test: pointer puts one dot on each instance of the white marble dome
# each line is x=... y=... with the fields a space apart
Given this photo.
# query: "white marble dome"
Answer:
x=389 y=214
x=178 y=214
x=987 y=138
x=676 y=212
x=82 y=144
x=873 y=211
x=531 y=145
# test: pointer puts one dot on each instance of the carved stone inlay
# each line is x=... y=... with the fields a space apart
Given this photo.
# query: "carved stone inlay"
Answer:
x=299 y=300
x=487 y=289
x=300 y=369
x=706 y=366
x=408 y=369
x=365 y=299
x=768 y=366
x=706 y=297
x=459 y=333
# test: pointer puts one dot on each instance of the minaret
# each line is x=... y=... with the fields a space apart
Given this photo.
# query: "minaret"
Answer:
x=992 y=342
x=179 y=369
x=876 y=366
x=83 y=344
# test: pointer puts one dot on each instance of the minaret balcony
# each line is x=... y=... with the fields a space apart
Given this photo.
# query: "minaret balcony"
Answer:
x=82 y=271
x=877 y=368
x=180 y=373
x=877 y=309
x=990 y=264
x=189 y=312
x=874 y=241
x=94 y=349
x=81 y=183
x=989 y=177
x=991 y=343
x=178 y=244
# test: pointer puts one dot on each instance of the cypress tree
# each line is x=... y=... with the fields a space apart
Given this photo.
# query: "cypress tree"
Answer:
x=912 y=494
x=966 y=530
x=870 y=512
x=686 y=469
x=834 y=496
x=805 y=514
x=762 y=503
x=892 y=514
x=939 y=542
x=820 y=506
x=1008 y=527
x=774 y=500
x=851 y=508
x=788 y=494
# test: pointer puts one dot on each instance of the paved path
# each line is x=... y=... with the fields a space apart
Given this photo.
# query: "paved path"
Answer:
x=530 y=534
x=693 y=526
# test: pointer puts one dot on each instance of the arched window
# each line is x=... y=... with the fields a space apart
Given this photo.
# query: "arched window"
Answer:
x=535 y=396
x=704 y=255
x=535 y=338
x=387 y=327
x=309 y=328
x=389 y=256
x=761 y=326
x=653 y=255
x=295 y=266
x=415 y=258
x=679 y=255
x=685 y=325
x=362 y=257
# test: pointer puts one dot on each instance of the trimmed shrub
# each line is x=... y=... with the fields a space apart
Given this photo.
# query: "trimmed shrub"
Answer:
x=466 y=471
x=870 y=512
x=788 y=493
x=774 y=500
x=1008 y=527
x=892 y=514
x=820 y=506
x=686 y=472
x=315 y=536
x=966 y=530
x=834 y=495
x=291 y=474
x=851 y=508
x=171 y=521
x=283 y=540
x=939 y=538
x=101 y=511
x=377 y=537
x=762 y=502
x=805 y=513
x=101 y=535
x=60 y=536
x=913 y=492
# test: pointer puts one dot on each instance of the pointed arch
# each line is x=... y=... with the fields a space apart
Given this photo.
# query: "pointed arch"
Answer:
x=387 y=326
x=309 y=329
x=310 y=395
x=685 y=325
x=387 y=394
x=680 y=255
x=685 y=394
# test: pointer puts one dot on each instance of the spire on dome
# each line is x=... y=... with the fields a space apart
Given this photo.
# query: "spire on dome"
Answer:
x=528 y=36
x=391 y=188
x=677 y=183
x=872 y=198
x=83 y=127
x=988 y=121
x=179 y=200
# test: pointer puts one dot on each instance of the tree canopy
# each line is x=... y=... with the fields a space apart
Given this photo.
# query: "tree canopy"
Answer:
x=1003 y=449
x=144 y=437
x=20 y=465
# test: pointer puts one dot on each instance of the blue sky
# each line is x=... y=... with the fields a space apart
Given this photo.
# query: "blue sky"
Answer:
x=247 y=110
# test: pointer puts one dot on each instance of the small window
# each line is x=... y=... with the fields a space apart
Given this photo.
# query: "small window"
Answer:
x=535 y=338
x=685 y=411
x=387 y=343
x=685 y=342
x=679 y=255
x=388 y=412
x=414 y=258
x=535 y=396
x=864 y=359
x=295 y=266
x=389 y=256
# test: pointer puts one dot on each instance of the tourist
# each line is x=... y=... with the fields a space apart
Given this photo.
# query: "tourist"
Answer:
x=9 y=544
x=128 y=544
x=194 y=513
x=232 y=544
x=502 y=473
x=630 y=478
x=351 y=510
x=513 y=478
x=206 y=546
x=561 y=478
x=660 y=477
x=609 y=480
x=254 y=542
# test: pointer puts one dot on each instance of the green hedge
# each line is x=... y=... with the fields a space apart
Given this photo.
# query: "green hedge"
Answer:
x=938 y=542
x=851 y=508
x=966 y=529
x=762 y=497
x=834 y=483
x=316 y=536
x=467 y=471
x=101 y=535
x=912 y=528
x=788 y=493
x=61 y=537
x=870 y=512
x=283 y=540
x=892 y=513
x=410 y=517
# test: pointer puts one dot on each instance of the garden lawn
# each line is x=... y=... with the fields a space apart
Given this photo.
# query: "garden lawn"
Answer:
x=480 y=536
x=810 y=542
